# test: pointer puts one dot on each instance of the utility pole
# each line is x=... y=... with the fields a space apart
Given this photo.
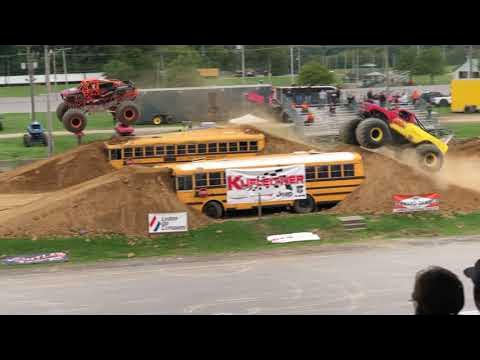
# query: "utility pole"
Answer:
x=243 y=64
x=387 y=75
x=49 y=114
x=358 y=65
x=157 y=76
x=345 y=62
x=30 y=77
x=470 y=64
x=292 y=71
x=299 y=59
x=418 y=50
x=64 y=57
x=54 y=53
x=444 y=52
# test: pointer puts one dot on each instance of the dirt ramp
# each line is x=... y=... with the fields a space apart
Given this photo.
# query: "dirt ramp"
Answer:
x=386 y=177
x=114 y=203
x=61 y=171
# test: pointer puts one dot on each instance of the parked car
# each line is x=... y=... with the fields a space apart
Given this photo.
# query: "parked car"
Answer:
x=428 y=95
x=442 y=101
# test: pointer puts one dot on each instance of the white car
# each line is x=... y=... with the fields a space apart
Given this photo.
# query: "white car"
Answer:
x=442 y=100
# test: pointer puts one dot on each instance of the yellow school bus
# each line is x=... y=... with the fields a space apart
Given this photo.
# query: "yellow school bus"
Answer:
x=329 y=178
x=190 y=145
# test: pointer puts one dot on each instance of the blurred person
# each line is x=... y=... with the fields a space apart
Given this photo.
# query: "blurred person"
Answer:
x=437 y=291
x=473 y=273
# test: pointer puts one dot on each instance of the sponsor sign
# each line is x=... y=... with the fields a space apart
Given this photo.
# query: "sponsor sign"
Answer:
x=266 y=184
x=167 y=222
x=36 y=259
x=411 y=203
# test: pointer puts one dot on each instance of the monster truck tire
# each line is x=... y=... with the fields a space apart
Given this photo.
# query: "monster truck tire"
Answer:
x=373 y=133
x=347 y=132
x=27 y=141
x=303 y=206
x=61 y=110
x=127 y=112
x=213 y=209
x=429 y=157
x=74 y=120
x=44 y=139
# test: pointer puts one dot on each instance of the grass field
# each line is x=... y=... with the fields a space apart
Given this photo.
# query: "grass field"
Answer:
x=465 y=130
x=13 y=149
x=239 y=236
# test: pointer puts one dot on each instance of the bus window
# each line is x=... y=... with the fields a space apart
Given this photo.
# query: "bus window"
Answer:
x=348 y=170
x=170 y=149
x=181 y=149
x=149 y=151
x=253 y=146
x=202 y=148
x=233 y=146
x=336 y=171
x=323 y=171
x=215 y=179
x=310 y=173
x=222 y=147
x=160 y=150
x=200 y=180
x=184 y=182
x=212 y=148
x=115 y=154
x=243 y=146
x=138 y=152
x=127 y=152
x=192 y=149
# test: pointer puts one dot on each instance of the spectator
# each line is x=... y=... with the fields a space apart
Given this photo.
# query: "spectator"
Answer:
x=473 y=273
x=437 y=291
x=383 y=99
x=415 y=96
x=338 y=94
x=369 y=94
x=429 y=109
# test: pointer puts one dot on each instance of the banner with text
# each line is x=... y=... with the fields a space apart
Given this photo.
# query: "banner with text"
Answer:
x=411 y=203
x=167 y=222
x=281 y=183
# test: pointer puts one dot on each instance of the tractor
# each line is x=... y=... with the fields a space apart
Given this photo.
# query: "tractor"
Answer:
x=398 y=128
x=35 y=135
x=93 y=95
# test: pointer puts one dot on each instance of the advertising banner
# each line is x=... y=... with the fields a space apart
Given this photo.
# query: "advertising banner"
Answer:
x=167 y=222
x=36 y=258
x=266 y=184
x=411 y=203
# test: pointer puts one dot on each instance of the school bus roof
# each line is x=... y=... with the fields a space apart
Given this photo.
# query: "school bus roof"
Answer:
x=268 y=160
x=191 y=136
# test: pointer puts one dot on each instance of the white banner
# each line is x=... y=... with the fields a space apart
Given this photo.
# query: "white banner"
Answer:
x=281 y=183
x=167 y=222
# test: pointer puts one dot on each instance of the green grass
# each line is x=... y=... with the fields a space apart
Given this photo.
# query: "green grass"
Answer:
x=465 y=130
x=24 y=90
x=18 y=122
x=240 y=236
x=425 y=79
x=13 y=149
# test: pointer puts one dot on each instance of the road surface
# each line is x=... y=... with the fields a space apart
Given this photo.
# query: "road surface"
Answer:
x=138 y=131
x=346 y=280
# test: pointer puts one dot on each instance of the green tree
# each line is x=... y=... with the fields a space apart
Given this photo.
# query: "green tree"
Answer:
x=407 y=61
x=314 y=73
x=118 y=70
x=430 y=62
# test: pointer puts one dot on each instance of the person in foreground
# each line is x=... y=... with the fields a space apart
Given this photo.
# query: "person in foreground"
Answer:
x=473 y=273
x=437 y=291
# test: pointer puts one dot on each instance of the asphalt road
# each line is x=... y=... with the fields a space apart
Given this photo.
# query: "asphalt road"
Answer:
x=346 y=280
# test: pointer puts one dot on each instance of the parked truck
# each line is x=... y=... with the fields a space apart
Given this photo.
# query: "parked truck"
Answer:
x=465 y=95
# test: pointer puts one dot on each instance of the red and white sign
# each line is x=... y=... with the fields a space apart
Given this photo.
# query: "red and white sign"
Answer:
x=167 y=222
x=283 y=183
x=410 y=203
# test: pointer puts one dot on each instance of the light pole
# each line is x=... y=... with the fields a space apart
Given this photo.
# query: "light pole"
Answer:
x=387 y=75
x=30 y=77
x=292 y=70
x=49 y=114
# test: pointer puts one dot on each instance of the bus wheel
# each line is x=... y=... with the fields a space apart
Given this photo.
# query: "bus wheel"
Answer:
x=213 y=209
x=304 y=206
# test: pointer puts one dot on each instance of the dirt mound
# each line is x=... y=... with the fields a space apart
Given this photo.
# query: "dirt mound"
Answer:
x=73 y=167
x=386 y=177
x=114 y=203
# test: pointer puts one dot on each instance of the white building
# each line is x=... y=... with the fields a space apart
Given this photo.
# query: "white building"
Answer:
x=462 y=71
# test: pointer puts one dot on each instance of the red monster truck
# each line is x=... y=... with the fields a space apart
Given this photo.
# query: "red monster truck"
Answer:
x=93 y=95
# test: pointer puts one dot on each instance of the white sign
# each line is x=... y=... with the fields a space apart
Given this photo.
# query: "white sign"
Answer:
x=286 y=238
x=167 y=222
x=283 y=183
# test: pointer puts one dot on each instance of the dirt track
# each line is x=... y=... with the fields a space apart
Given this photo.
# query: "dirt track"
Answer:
x=79 y=193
